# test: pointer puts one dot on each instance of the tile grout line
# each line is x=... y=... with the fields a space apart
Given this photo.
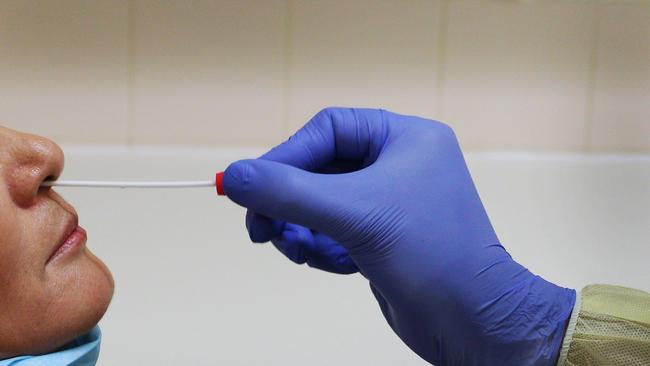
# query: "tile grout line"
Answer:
x=286 y=72
x=130 y=50
x=587 y=143
x=443 y=25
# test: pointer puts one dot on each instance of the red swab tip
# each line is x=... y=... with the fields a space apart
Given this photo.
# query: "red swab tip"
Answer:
x=219 y=180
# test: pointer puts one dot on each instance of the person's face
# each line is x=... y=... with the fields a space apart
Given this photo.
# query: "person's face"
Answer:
x=52 y=288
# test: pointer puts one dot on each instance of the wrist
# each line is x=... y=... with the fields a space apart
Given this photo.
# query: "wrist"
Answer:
x=530 y=324
x=563 y=301
x=549 y=310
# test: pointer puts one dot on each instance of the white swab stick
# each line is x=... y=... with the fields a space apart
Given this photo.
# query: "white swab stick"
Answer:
x=126 y=184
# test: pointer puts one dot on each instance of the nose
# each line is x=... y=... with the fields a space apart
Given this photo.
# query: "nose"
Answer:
x=31 y=160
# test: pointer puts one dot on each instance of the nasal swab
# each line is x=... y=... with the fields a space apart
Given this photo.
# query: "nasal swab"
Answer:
x=129 y=184
x=139 y=184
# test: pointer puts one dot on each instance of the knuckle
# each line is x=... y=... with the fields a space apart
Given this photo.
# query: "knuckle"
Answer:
x=440 y=132
x=328 y=111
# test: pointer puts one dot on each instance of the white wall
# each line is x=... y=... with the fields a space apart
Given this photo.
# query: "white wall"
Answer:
x=525 y=75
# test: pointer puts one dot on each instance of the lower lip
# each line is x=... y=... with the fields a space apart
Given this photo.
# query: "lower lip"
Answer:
x=72 y=243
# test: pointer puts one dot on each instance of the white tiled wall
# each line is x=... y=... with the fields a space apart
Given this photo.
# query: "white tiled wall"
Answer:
x=517 y=75
x=63 y=69
x=368 y=53
x=208 y=72
x=524 y=75
x=621 y=118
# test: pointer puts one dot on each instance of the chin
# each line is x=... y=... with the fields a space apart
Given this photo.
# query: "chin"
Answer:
x=87 y=297
x=99 y=290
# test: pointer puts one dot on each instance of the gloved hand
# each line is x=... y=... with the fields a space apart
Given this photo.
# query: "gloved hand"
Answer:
x=390 y=196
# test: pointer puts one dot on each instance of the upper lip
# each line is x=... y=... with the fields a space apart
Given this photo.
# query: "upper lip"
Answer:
x=68 y=229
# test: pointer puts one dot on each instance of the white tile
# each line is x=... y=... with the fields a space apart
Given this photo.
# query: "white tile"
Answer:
x=63 y=69
x=208 y=72
x=621 y=119
x=517 y=74
x=363 y=53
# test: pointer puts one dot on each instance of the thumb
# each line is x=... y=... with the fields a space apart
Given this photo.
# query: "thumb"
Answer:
x=284 y=192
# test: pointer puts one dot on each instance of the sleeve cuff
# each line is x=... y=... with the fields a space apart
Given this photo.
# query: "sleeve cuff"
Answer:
x=568 y=335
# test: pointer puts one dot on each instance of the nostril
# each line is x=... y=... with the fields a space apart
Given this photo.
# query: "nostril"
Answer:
x=47 y=179
x=50 y=178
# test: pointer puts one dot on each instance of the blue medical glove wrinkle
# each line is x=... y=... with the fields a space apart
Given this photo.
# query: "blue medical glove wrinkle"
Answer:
x=412 y=222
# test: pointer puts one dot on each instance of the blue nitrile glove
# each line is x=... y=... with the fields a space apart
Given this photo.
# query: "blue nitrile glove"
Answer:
x=390 y=196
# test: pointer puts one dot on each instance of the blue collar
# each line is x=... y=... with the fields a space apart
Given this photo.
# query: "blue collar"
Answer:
x=83 y=351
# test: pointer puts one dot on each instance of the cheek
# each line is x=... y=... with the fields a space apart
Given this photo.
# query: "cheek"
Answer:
x=66 y=303
x=9 y=235
x=18 y=275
